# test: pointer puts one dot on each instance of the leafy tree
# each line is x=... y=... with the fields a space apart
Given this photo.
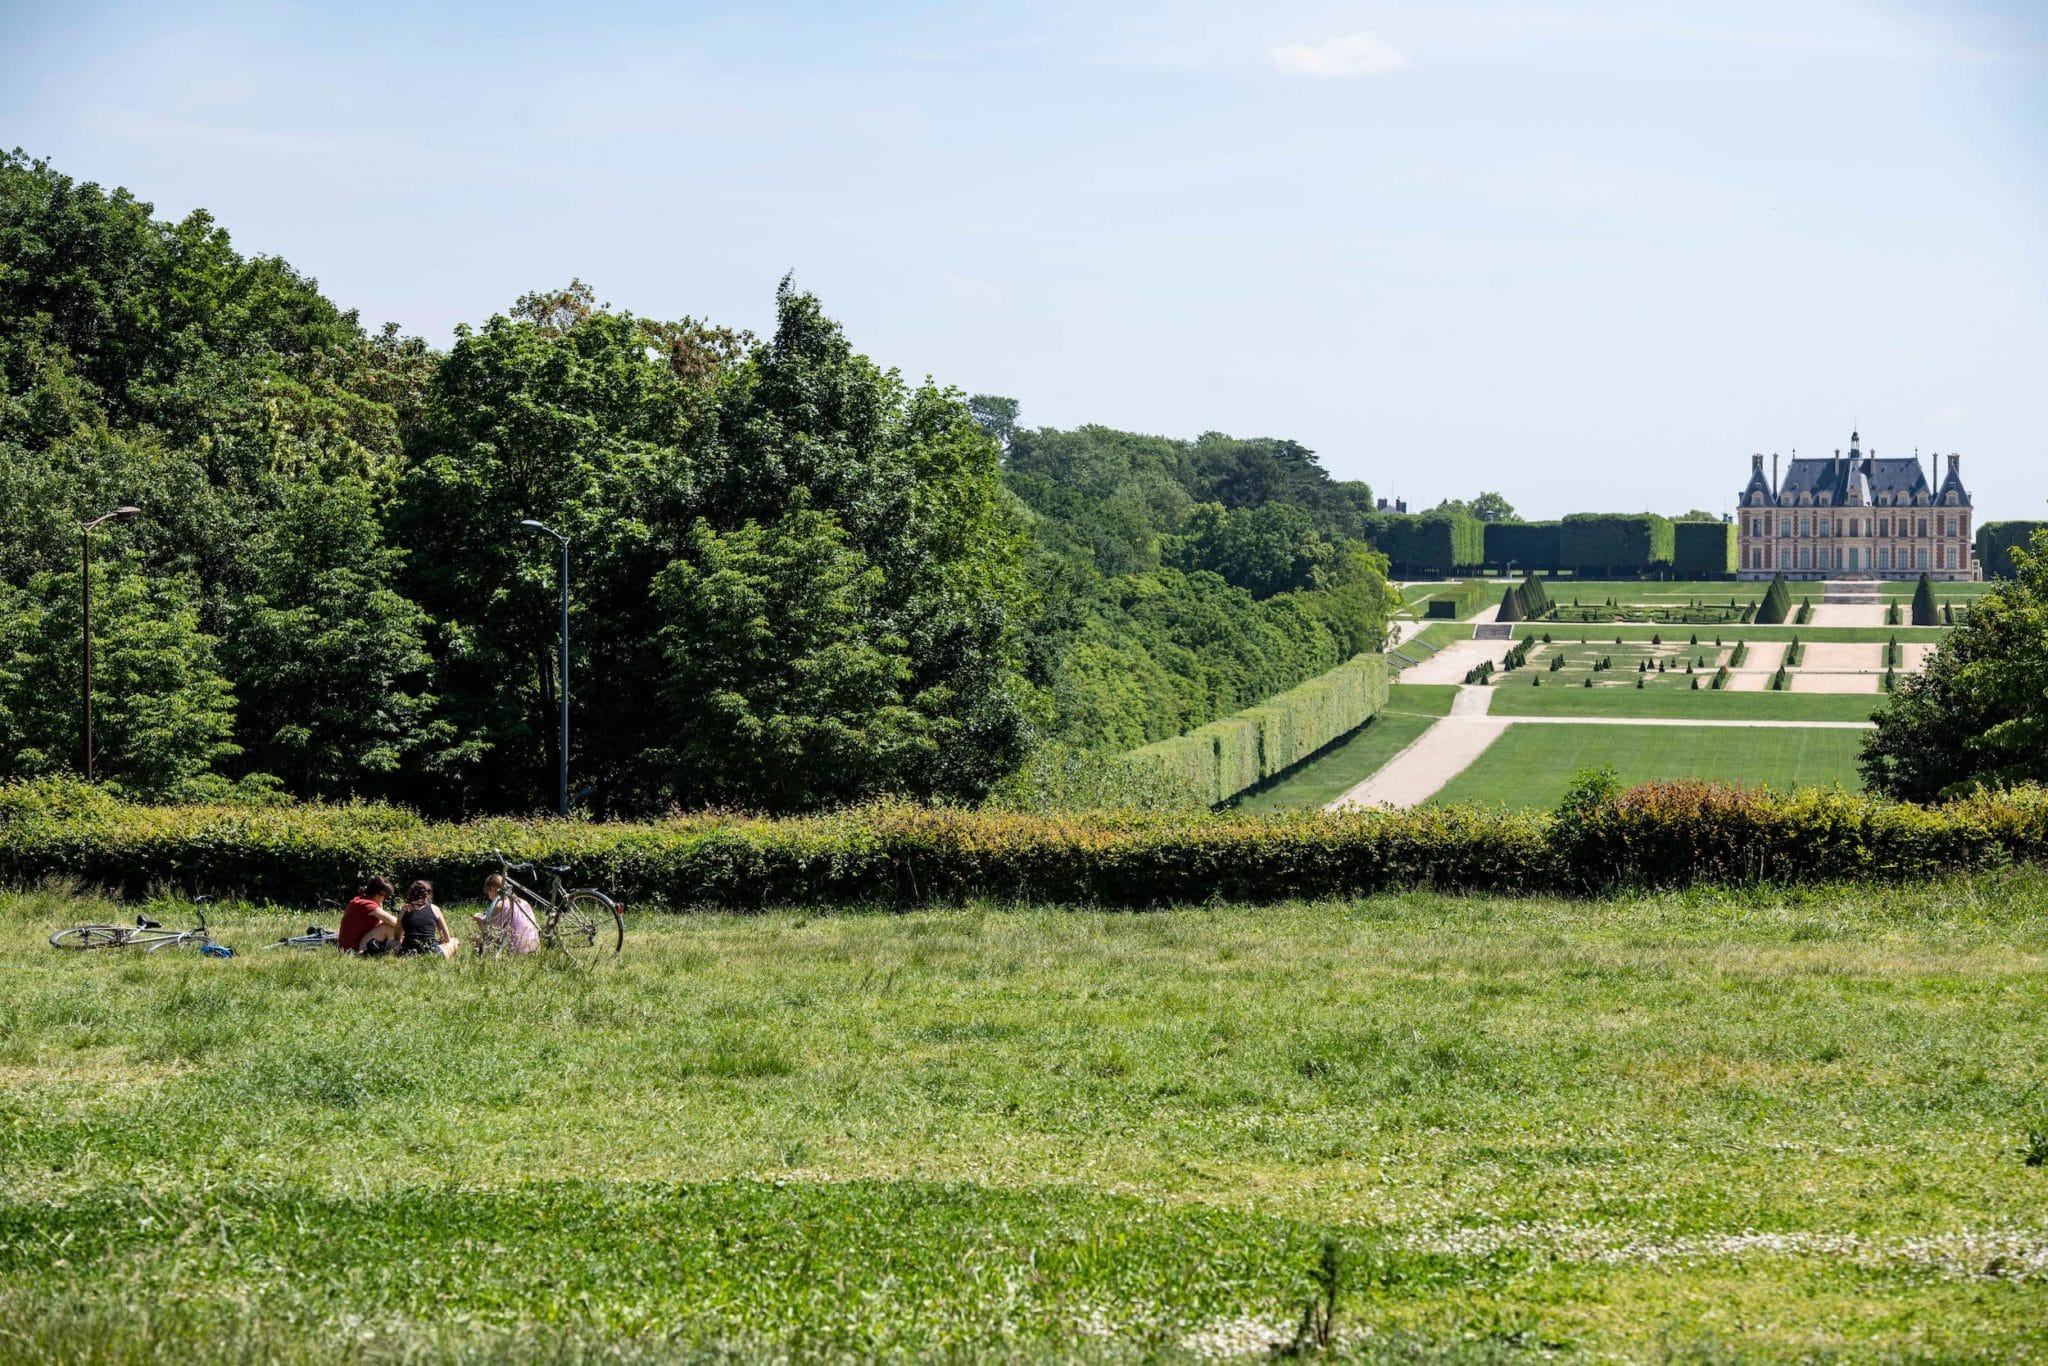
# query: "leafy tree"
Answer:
x=1978 y=714
x=163 y=716
x=1487 y=507
x=787 y=688
x=333 y=660
x=574 y=419
x=910 y=486
x=995 y=415
x=1269 y=549
x=1697 y=515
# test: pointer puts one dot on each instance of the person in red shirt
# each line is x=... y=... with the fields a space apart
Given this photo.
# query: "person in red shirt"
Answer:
x=366 y=927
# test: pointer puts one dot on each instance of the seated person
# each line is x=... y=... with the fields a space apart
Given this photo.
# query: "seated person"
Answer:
x=507 y=923
x=366 y=927
x=422 y=928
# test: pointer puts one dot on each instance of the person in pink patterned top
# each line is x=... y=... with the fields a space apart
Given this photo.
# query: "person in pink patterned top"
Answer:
x=507 y=923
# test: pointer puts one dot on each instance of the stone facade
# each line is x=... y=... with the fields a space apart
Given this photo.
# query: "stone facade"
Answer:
x=1854 y=516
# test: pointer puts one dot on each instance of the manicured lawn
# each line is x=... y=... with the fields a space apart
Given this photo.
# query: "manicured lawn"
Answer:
x=1438 y=634
x=1534 y=764
x=1847 y=635
x=1411 y=709
x=1713 y=1127
x=1670 y=696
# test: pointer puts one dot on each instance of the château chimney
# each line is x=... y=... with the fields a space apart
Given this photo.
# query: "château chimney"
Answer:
x=1774 y=476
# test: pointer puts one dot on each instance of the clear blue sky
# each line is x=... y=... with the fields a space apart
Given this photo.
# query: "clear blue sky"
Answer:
x=1589 y=254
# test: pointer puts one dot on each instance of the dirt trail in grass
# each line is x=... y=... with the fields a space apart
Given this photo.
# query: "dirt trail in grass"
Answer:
x=1438 y=755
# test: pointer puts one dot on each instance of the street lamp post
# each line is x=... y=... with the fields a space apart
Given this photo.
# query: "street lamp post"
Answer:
x=85 y=531
x=564 y=768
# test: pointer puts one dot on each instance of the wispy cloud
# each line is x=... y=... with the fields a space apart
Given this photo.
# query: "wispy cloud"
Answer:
x=1348 y=54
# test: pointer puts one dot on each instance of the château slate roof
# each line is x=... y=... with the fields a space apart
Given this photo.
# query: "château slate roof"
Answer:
x=1890 y=481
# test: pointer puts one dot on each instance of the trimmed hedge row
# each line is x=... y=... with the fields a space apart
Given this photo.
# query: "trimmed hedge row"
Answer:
x=1607 y=543
x=1666 y=834
x=1428 y=543
x=1997 y=540
x=1703 y=550
x=1522 y=545
x=1456 y=604
x=1242 y=750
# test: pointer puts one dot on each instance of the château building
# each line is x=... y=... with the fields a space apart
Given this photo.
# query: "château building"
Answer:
x=1854 y=516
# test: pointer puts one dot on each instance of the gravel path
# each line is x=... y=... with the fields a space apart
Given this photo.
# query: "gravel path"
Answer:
x=1438 y=755
x=1847 y=614
x=1453 y=662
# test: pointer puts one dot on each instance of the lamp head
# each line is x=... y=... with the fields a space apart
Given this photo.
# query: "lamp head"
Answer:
x=528 y=521
x=127 y=511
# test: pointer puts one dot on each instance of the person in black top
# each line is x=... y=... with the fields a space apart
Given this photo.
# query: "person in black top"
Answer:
x=422 y=928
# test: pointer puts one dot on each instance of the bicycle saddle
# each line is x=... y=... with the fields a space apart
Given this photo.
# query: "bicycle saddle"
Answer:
x=143 y=922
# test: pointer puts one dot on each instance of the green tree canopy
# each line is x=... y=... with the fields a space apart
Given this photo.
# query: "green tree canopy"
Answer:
x=1978 y=714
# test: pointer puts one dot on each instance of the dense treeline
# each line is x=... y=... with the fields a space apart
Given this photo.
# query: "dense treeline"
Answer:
x=797 y=580
x=1180 y=581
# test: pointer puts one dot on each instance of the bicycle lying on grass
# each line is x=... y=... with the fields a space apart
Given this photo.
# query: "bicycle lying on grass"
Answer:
x=581 y=920
x=145 y=933
x=314 y=938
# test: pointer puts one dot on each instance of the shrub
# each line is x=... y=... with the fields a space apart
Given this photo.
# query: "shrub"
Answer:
x=1892 y=615
x=1511 y=608
x=1795 y=653
x=1777 y=603
x=1740 y=656
x=1805 y=613
x=1924 y=612
x=1458 y=603
x=1721 y=678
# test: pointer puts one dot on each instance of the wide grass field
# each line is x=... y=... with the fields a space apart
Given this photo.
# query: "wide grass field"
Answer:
x=1411 y=709
x=1718 y=1126
x=1669 y=697
x=1533 y=765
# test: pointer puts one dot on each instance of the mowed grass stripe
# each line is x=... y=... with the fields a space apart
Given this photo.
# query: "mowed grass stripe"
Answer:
x=1669 y=697
x=1533 y=765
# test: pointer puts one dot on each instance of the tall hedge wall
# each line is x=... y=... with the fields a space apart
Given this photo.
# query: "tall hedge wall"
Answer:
x=1607 y=543
x=1456 y=604
x=1996 y=541
x=1240 y=751
x=1522 y=545
x=1666 y=835
x=1420 y=545
x=1703 y=550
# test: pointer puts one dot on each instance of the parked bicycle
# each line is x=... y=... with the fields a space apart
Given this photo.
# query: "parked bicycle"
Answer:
x=314 y=938
x=146 y=934
x=581 y=920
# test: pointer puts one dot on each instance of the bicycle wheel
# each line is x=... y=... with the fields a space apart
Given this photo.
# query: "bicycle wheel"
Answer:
x=90 y=937
x=585 y=924
x=191 y=939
